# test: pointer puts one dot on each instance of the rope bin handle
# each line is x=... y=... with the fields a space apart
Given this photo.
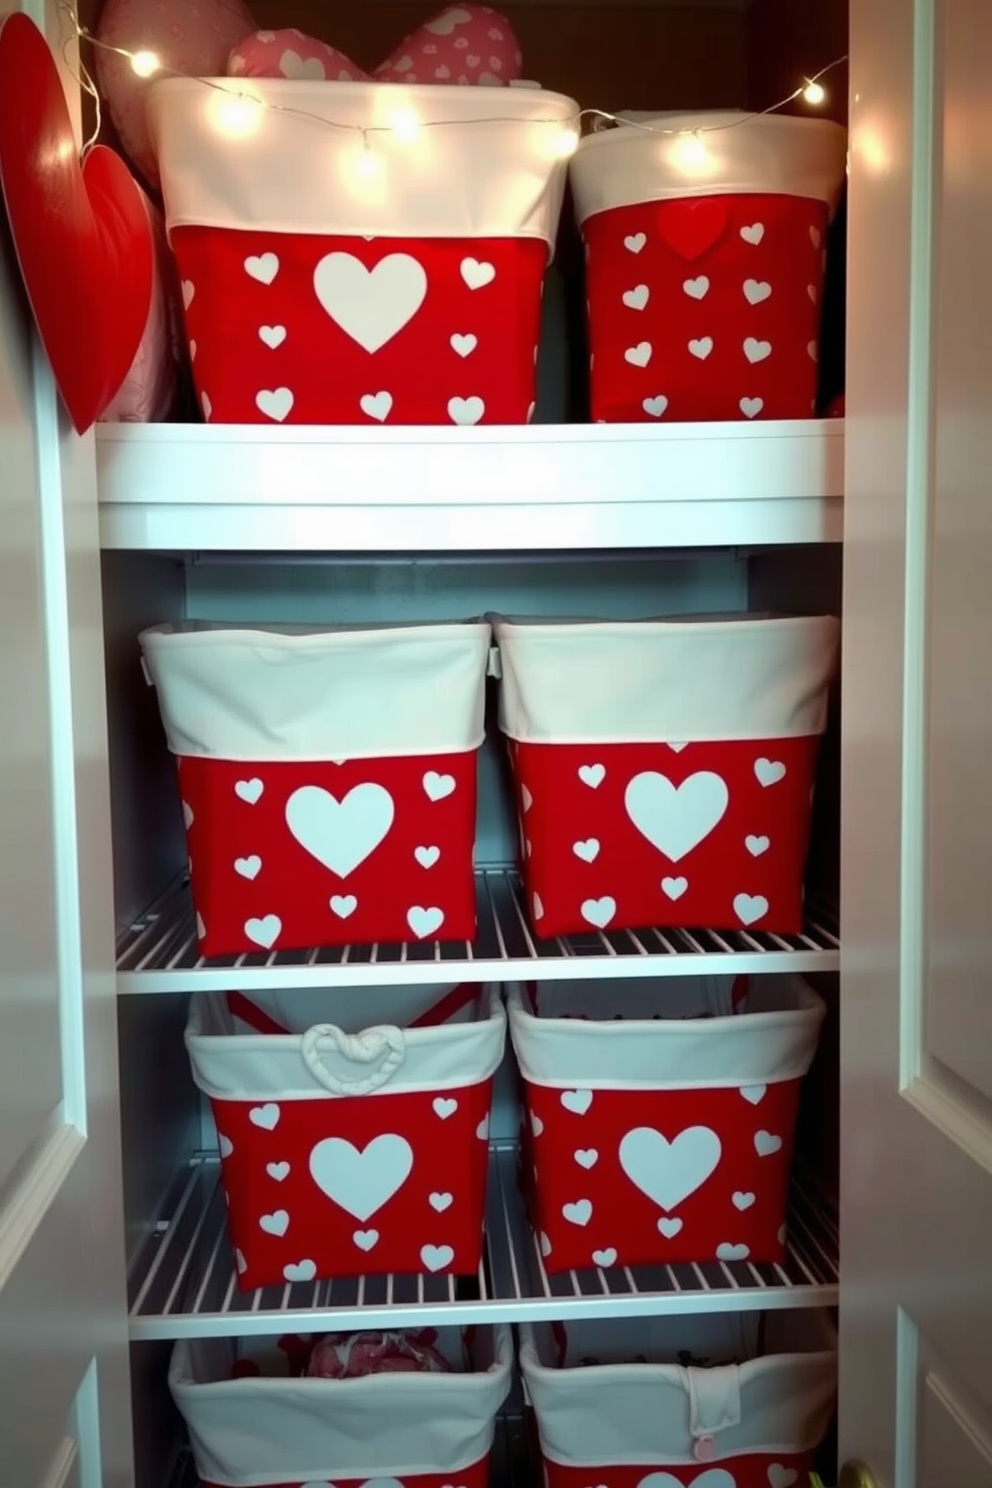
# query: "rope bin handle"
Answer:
x=385 y=1043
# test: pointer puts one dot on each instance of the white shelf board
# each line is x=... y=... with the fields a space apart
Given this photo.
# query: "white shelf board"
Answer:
x=158 y=952
x=183 y=1283
x=203 y=488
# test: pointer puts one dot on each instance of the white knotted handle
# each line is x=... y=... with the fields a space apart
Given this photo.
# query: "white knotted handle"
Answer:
x=385 y=1042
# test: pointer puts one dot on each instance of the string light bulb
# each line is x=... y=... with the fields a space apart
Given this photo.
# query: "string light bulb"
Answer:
x=566 y=144
x=691 y=151
x=367 y=163
x=237 y=115
x=405 y=125
x=814 y=93
x=145 y=64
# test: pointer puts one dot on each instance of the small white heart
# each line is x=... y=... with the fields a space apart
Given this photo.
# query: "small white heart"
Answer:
x=766 y=1145
x=192 y=351
x=440 y=1201
x=635 y=242
x=536 y=1124
x=812 y=351
x=754 y=233
x=576 y=1101
x=636 y=298
x=537 y=906
x=482 y=1130
x=201 y=929
x=814 y=236
x=587 y=1157
x=300 y=1271
x=605 y=1258
x=240 y=1262
x=701 y=348
x=272 y=336
x=264 y=267
x=189 y=290
x=477 y=274
x=592 y=775
x=526 y=799
x=278 y=1171
x=598 y=912
x=267 y=1116
x=225 y=1144
x=444 y=1106
x=639 y=355
x=343 y=905
x=206 y=405
x=674 y=888
x=188 y=817
x=366 y=1239
x=728 y=1252
x=427 y=856
x=750 y=908
x=754 y=1094
x=669 y=1228
x=275 y=403
x=743 y=1201
x=757 y=845
x=437 y=787
x=436 y=1257
x=249 y=791
x=811 y=291
x=579 y=1213
x=545 y=1244
x=751 y=407
x=464 y=345
x=696 y=289
x=655 y=407
x=756 y=290
x=588 y=850
x=780 y=1476
x=263 y=932
x=769 y=772
x=276 y=1223
x=466 y=410
x=424 y=921
x=376 y=406
x=757 y=351
x=248 y=868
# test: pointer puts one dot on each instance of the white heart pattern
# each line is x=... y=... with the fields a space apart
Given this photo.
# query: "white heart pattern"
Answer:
x=674 y=888
x=545 y=1244
x=757 y=351
x=427 y=856
x=275 y=403
x=267 y=1116
x=669 y=1228
x=701 y=348
x=754 y=1094
x=742 y=1200
x=436 y=1257
x=189 y=290
x=263 y=266
x=668 y=1172
x=537 y=906
x=698 y=288
x=272 y=336
x=278 y=1171
x=424 y=921
x=264 y=931
x=576 y=1101
x=477 y=274
x=755 y=290
x=750 y=908
x=440 y=1201
x=526 y=799
x=598 y=912
x=370 y=305
x=713 y=1477
x=201 y=929
x=729 y=1252
x=300 y=1271
x=192 y=351
x=188 y=817
x=225 y=1145
x=675 y=819
x=588 y=850
x=366 y=1239
x=536 y=1124
x=240 y=1262
x=766 y=1144
x=343 y=905
x=579 y=1213
x=248 y=867
x=636 y=298
x=605 y=1258
x=635 y=242
x=464 y=345
x=377 y=406
x=466 y=410
x=275 y=1224
x=362 y=1180
x=592 y=775
x=814 y=236
x=437 y=787
x=639 y=355
x=769 y=772
x=340 y=834
x=587 y=1157
x=757 y=845
x=655 y=407
x=812 y=351
x=249 y=791
x=780 y=1476
x=751 y=407
x=444 y=1106
x=753 y=233
x=309 y=69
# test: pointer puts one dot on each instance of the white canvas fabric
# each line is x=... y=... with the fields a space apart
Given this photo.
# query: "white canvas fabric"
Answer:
x=249 y=1432
x=320 y=693
x=646 y=681
x=226 y=162
x=770 y=154
x=773 y=1040
x=333 y=1049
x=773 y=1394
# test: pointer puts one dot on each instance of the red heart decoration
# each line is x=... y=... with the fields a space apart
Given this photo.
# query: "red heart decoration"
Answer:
x=81 y=234
x=692 y=225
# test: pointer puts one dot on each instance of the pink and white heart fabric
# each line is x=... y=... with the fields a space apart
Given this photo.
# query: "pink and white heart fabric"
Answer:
x=664 y=769
x=349 y=1149
x=290 y=53
x=409 y=1430
x=327 y=778
x=410 y=294
x=661 y=1116
x=729 y=1400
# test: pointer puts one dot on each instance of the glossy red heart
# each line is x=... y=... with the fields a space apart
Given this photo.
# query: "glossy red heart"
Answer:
x=692 y=225
x=81 y=235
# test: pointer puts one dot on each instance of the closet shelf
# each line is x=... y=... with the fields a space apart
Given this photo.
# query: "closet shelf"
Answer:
x=184 y=1283
x=158 y=952
x=203 y=488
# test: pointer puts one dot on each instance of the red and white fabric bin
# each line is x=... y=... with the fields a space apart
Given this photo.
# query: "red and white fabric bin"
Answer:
x=361 y=253
x=350 y=1149
x=272 y=1431
x=706 y=250
x=728 y=1400
x=664 y=769
x=660 y=1116
x=328 y=779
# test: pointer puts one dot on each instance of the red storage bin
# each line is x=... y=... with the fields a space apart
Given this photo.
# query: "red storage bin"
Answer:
x=267 y=1430
x=385 y=271
x=706 y=254
x=328 y=779
x=731 y=1400
x=347 y=1149
x=661 y=1116
x=664 y=769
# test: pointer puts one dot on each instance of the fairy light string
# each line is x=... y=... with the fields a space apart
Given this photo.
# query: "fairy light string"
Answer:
x=147 y=64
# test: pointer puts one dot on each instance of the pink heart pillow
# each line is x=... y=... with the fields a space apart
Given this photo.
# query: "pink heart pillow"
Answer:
x=291 y=54
x=462 y=44
x=192 y=36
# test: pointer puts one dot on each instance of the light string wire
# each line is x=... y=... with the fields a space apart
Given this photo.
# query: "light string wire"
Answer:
x=147 y=64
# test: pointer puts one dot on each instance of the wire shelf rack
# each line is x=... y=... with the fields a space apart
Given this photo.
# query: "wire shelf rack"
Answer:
x=158 y=952
x=183 y=1282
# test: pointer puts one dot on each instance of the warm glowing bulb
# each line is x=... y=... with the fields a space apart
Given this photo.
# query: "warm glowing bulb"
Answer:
x=145 y=64
x=236 y=115
x=566 y=144
x=814 y=93
x=691 y=151
x=367 y=163
x=405 y=125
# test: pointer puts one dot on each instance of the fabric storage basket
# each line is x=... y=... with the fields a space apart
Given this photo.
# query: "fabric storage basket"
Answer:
x=661 y=1116
x=386 y=271
x=271 y=1431
x=348 y=1149
x=731 y=1400
x=664 y=769
x=706 y=254
x=328 y=778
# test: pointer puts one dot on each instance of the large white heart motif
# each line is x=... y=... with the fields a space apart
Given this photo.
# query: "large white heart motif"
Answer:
x=361 y=1181
x=340 y=834
x=669 y=1172
x=675 y=819
x=713 y=1477
x=385 y=1044
x=370 y=305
